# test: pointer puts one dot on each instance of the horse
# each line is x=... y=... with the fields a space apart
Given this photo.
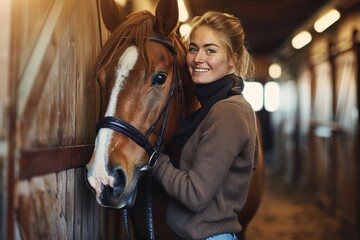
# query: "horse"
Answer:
x=145 y=90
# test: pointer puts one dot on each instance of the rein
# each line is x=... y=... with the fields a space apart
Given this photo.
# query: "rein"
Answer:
x=142 y=140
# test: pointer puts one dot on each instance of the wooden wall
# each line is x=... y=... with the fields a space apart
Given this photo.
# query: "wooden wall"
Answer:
x=50 y=106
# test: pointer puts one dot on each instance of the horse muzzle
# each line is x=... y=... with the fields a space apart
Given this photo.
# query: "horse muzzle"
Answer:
x=113 y=189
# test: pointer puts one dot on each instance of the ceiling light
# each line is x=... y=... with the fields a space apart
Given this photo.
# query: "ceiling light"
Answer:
x=326 y=20
x=301 y=39
x=183 y=12
x=275 y=70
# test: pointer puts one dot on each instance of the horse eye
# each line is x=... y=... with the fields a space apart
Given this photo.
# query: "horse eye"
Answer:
x=159 y=78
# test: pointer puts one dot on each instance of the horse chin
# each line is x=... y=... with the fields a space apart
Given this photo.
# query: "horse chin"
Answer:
x=126 y=200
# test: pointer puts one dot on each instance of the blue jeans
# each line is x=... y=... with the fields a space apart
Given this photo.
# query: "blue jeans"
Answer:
x=223 y=236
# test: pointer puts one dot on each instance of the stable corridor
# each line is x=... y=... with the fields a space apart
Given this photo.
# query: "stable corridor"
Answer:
x=288 y=214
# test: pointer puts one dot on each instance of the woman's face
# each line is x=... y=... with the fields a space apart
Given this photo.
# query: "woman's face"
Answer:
x=207 y=56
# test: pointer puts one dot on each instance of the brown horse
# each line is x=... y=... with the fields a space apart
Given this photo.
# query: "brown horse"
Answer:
x=145 y=90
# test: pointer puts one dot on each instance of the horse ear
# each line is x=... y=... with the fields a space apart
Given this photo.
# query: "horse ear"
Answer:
x=112 y=14
x=167 y=15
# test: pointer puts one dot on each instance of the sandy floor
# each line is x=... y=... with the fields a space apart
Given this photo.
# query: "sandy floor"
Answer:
x=286 y=215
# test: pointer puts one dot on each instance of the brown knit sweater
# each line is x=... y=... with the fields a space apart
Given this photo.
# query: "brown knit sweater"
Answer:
x=213 y=178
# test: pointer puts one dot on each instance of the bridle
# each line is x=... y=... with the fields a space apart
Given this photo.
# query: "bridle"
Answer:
x=142 y=140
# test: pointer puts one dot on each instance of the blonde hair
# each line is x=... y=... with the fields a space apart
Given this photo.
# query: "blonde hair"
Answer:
x=232 y=34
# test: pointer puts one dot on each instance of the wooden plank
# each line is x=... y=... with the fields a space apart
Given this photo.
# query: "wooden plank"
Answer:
x=78 y=202
x=86 y=211
x=7 y=13
x=5 y=23
x=41 y=210
x=6 y=193
x=37 y=191
x=357 y=137
x=35 y=162
x=62 y=197
x=67 y=85
x=70 y=202
x=52 y=208
x=3 y=192
x=84 y=59
x=26 y=211
x=30 y=17
x=35 y=73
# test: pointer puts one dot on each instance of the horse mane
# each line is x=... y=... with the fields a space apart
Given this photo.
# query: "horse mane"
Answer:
x=138 y=27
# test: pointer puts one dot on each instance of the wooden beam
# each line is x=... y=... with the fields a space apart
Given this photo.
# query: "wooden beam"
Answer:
x=38 y=65
x=7 y=123
x=34 y=162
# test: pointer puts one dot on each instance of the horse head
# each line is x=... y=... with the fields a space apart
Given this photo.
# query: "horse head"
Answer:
x=140 y=71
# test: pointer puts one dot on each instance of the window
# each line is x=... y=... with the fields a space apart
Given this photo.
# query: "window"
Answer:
x=271 y=96
x=259 y=96
x=253 y=93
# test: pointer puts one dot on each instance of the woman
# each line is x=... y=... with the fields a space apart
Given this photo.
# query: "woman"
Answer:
x=219 y=140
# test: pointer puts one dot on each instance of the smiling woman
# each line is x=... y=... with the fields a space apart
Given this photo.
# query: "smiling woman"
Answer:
x=204 y=207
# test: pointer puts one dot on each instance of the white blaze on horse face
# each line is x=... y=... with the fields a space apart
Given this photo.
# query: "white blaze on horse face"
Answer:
x=97 y=171
x=125 y=64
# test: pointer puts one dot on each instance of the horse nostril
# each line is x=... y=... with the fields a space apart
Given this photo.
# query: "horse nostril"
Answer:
x=119 y=182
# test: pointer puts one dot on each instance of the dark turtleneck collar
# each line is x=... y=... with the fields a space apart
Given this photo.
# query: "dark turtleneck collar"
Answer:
x=208 y=94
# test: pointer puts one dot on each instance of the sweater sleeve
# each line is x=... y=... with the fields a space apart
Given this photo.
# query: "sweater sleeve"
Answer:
x=221 y=136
